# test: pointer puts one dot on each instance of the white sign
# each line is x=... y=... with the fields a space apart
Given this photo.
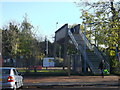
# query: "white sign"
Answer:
x=48 y=62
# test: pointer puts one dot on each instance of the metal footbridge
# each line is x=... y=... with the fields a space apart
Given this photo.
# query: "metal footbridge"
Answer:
x=91 y=55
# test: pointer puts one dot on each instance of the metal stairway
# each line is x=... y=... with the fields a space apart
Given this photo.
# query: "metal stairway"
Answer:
x=92 y=54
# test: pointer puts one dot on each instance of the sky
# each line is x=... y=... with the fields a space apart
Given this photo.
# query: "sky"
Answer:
x=42 y=15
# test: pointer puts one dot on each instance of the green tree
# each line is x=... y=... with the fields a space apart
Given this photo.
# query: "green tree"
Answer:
x=106 y=22
x=19 y=42
x=106 y=27
x=9 y=40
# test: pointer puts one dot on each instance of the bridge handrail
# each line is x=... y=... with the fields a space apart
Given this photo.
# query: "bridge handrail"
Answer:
x=73 y=39
x=100 y=54
x=94 y=48
x=86 y=41
x=79 y=47
x=91 y=65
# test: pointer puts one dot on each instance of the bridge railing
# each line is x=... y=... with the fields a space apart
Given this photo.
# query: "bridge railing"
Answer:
x=73 y=39
x=79 y=47
x=95 y=49
x=102 y=57
x=88 y=44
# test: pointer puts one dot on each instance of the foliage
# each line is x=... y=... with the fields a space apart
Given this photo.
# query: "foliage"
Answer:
x=115 y=66
x=19 y=42
x=9 y=40
x=103 y=24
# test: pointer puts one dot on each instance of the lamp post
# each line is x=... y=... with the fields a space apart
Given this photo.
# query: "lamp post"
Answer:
x=85 y=61
x=60 y=45
x=1 y=62
x=55 y=43
x=56 y=24
x=46 y=43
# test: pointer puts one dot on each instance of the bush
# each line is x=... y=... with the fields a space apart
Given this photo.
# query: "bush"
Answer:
x=115 y=65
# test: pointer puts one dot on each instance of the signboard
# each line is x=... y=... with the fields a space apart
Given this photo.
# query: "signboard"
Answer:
x=48 y=62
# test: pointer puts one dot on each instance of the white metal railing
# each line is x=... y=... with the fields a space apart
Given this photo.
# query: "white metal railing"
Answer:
x=88 y=44
x=81 y=49
x=87 y=59
x=94 y=48
x=101 y=57
x=73 y=39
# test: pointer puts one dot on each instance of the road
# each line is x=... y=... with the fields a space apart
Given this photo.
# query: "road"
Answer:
x=71 y=83
x=73 y=88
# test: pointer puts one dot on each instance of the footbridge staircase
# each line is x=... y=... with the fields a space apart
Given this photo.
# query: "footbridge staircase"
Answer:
x=91 y=55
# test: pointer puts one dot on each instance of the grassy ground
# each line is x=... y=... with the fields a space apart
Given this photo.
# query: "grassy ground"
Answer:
x=33 y=71
x=50 y=72
x=43 y=72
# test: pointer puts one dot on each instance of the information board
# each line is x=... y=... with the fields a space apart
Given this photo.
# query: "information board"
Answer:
x=48 y=62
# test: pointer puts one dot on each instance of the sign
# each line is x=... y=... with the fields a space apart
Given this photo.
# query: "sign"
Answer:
x=48 y=62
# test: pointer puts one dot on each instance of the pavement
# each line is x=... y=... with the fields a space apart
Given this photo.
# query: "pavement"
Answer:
x=51 y=81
